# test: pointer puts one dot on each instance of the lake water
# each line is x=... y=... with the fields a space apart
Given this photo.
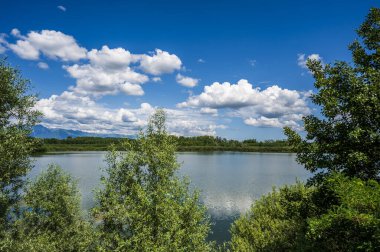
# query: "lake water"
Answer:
x=229 y=181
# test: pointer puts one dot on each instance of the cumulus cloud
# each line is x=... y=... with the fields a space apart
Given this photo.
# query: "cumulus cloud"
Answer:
x=62 y=8
x=302 y=59
x=52 y=44
x=111 y=70
x=131 y=89
x=72 y=111
x=98 y=81
x=160 y=62
x=209 y=111
x=263 y=121
x=43 y=65
x=108 y=72
x=111 y=59
x=186 y=81
x=105 y=71
x=271 y=107
x=201 y=61
x=220 y=95
x=25 y=50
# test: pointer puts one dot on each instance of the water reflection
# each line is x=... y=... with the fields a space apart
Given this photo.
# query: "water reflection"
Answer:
x=229 y=181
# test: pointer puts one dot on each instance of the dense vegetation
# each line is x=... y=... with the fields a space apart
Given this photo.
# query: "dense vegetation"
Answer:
x=347 y=138
x=339 y=209
x=143 y=206
x=341 y=214
x=197 y=143
x=17 y=118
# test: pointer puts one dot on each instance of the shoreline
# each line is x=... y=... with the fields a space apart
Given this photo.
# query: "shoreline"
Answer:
x=193 y=149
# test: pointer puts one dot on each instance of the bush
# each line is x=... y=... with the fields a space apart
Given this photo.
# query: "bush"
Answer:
x=351 y=218
x=275 y=222
x=341 y=214
x=50 y=219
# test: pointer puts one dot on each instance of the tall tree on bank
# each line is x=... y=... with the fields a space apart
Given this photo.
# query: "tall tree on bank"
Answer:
x=144 y=206
x=17 y=117
x=347 y=138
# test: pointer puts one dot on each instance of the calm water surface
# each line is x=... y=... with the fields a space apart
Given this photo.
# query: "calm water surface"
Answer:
x=229 y=181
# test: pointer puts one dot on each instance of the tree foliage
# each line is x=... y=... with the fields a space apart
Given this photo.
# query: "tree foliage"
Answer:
x=275 y=222
x=51 y=218
x=347 y=138
x=342 y=211
x=341 y=214
x=348 y=217
x=17 y=117
x=143 y=205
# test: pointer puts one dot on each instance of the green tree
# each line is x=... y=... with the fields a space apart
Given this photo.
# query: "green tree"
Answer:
x=342 y=211
x=275 y=222
x=143 y=205
x=347 y=138
x=340 y=214
x=17 y=117
x=51 y=219
x=348 y=217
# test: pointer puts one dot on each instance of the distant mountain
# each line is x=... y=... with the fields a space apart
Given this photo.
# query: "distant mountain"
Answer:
x=44 y=132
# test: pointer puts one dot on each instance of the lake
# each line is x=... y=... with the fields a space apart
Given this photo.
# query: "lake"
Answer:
x=229 y=181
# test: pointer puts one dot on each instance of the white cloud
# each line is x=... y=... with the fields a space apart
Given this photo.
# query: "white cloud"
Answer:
x=106 y=71
x=72 y=111
x=220 y=95
x=52 y=44
x=111 y=59
x=156 y=79
x=273 y=106
x=98 y=81
x=62 y=8
x=43 y=65
x=302 y=59
x=201 y=61
x=160 y=62
x=263 y=121
x=25 y=50
x=16 y=32
x=210 y=111
x=131 y=89
x=186 y=81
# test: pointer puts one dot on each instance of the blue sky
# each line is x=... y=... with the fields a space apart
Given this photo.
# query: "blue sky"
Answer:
x=229 y=68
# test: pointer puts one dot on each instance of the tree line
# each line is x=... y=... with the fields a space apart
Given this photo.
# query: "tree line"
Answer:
x=195 y=143
x=143 y=205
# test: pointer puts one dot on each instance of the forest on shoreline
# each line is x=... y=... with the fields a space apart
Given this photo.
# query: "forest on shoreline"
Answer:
x=195 y=144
